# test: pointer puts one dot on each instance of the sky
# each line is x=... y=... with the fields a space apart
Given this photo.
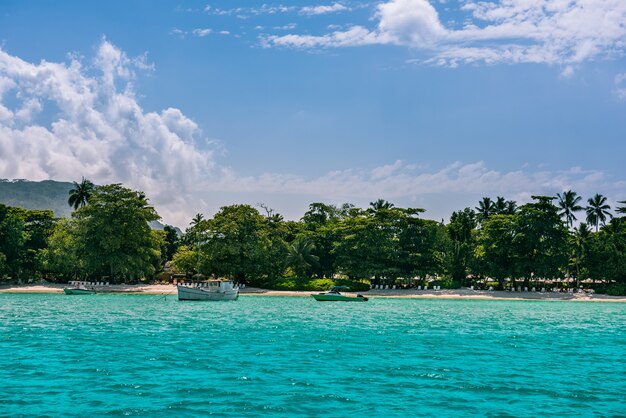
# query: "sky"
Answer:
x=425 y=103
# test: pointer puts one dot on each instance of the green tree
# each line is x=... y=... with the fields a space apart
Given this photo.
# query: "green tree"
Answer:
x=300 y=256
x=597 y=210
x=12 y=241
x=494 y=254
x=511 y=207
x=60 y=258
x=380 y=204
x=171 y=243
x=185 y=259
x=113 y=235
x=366 y=245
x=485 y=209
x=568 y=204
x=320 y=226
x=422 y=245
x=80 y=194
x=540 y=241
x=622 y=209
x=580 y=240
x=461 y=230
x=236 y=243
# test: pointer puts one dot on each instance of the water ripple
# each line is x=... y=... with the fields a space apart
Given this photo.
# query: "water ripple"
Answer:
x=126 y=355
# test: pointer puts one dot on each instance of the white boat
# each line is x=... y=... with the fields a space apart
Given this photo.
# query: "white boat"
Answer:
x=211 y=290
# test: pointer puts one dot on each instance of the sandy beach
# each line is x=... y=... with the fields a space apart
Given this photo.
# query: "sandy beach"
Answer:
x=463 y=293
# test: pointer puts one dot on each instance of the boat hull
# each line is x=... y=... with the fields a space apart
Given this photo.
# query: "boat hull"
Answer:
x=325 y=297
x=194 y=293
x=75 y=291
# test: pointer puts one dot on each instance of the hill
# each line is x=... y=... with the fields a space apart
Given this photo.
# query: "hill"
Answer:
x=46 y=194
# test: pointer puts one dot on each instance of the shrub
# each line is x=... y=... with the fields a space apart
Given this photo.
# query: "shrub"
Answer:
x=616 y=289
x=291 y=283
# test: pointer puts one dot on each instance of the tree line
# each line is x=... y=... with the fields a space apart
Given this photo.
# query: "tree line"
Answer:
x=108 y=235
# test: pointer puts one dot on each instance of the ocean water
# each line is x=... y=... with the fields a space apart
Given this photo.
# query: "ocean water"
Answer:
x=143 y=355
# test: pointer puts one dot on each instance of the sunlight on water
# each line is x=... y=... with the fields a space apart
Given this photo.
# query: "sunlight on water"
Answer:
x=139 y=355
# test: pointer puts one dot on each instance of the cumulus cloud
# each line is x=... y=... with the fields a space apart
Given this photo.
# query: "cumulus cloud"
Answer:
x=507 y=31
x=202 y=32
x=66 y=120
x=320 y=10
x=92 y=125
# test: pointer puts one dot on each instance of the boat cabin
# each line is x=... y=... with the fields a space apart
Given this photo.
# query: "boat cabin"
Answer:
x=219 y=285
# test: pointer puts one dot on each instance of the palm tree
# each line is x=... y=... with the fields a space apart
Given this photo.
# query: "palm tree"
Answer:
x=622 y=209
x=196 y=220
x=380 y=204
x=568 y=203
x=597 y=211
x=500 y=205
x=80 y=194
x=511 y=207
x=299 y=255
x=580 y=240
x=485 y=208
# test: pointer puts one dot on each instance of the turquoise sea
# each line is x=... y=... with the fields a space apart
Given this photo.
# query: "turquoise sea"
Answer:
x=143 y=355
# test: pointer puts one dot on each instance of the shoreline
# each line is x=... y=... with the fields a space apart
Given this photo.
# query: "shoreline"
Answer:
x=464 y=293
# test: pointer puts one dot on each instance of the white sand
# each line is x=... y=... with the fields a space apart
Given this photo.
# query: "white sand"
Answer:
x=409 y=294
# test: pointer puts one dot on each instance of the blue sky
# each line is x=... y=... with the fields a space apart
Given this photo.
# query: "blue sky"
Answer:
x=425 y=103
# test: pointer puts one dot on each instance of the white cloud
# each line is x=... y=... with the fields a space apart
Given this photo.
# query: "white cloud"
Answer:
x=178 y=32
x=562 y=32
x=72 y=120
x=97 y=129
x=288 y=26
x=202 y=32
x=620 y=83
x=319 y=10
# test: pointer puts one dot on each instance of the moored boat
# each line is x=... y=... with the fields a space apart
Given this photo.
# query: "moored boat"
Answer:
x=211 y=290
x=78 y=291
x=333 y=295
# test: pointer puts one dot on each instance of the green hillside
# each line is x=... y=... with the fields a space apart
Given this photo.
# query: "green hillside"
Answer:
x=47 y=194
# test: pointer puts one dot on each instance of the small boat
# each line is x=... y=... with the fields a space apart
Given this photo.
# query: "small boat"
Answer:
x=211 y=290
x=333 y=295
x=79 y=290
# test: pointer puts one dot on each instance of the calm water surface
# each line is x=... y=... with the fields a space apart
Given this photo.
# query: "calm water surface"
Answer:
x=140 y=355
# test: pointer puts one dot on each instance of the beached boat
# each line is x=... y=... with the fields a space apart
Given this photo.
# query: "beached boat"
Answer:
x=333 y=295
x=80 y=290
x=211 y=290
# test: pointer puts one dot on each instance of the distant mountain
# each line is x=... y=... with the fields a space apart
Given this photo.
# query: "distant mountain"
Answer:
x=47 y=194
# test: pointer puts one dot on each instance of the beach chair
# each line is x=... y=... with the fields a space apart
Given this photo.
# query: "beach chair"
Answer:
x=532 y=290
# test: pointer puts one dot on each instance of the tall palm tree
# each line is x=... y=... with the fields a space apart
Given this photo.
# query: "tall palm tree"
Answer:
x=194 y=231
x=380 y=204
x=485 y=208
x=597 y=211
x=568 y=203
x=299 y=255
x=80 y=194
x=195 y=221
x=622 y=209
x=511 y=207
x=580 y=243
x=500 y=205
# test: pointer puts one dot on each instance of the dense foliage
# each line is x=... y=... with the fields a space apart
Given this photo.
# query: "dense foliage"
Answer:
x=108 y=235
